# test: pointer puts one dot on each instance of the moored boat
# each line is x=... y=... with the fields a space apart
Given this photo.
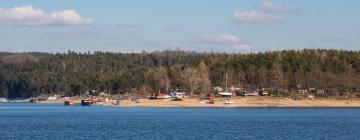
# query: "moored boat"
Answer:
x=69 y=102
x=229 y=102
x=87 y=102
x=225 y=93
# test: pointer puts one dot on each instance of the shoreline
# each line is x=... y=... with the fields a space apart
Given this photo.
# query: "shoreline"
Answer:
x=240 y=102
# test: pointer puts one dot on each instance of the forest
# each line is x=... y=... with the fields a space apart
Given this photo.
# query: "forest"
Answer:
x=25 y=75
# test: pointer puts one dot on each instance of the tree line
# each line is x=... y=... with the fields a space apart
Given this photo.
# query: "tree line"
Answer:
x=24 y=75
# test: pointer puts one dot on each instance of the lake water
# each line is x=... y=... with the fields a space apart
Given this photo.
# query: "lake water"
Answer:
x=32 y=121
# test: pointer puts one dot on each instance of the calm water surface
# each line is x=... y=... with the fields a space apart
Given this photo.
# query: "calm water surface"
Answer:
x=29 y=121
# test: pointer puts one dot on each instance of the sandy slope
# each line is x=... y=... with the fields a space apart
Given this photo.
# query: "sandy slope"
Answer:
x=249 y=102
x=239 y=102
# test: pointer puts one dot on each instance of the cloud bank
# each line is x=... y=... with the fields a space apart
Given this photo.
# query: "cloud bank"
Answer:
x=30 y=16
x=276 y=8
x=225 y=39
x=255 y=16
x=265 y=13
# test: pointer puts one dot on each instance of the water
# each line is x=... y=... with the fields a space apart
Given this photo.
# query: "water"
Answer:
x=29 y=121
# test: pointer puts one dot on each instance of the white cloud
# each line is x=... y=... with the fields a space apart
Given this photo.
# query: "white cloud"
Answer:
x=277 y=8
x=228 y=40
x=256 y=16
x=30 y=16
x=220 y=39
x=264 y=13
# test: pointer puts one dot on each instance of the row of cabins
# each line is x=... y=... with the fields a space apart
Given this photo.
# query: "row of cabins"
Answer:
x=175 y=95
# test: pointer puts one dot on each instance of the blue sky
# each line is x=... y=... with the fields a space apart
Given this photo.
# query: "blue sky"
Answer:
x=201 y=25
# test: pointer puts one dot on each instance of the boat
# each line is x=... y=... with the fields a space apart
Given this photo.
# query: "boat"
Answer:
x=69 y=102
x=162 y=96
x=87 y=102
x=116 y=102
x=4 y=100
x=229 y=102
x=254 y=93
x=226 y=93
x=138 y=100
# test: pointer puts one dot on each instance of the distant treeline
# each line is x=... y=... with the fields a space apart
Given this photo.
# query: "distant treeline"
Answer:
x=31 y=74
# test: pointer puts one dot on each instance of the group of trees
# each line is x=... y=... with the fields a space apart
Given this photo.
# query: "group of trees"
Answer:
x=32 y=74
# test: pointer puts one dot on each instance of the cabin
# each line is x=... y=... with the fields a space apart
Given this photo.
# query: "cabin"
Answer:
x=320 y=92
x=235 y=89
x=302 y=91
x=218 y=89
x=55 y=97
x=84 y=94
x=177 y=95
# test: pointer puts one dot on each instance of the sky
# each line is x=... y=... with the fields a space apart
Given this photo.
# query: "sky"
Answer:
x=234 y=26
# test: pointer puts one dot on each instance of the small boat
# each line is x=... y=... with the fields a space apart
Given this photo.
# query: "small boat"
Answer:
x=225 y=93
x=229 y=102
x=116 y=102
x=67 y=102
x=87 y=102
x=137 y=100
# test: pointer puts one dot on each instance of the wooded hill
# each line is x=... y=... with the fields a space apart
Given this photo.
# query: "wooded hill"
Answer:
x=31 y=74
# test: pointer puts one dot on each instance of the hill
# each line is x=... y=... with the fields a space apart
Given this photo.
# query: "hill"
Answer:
x=337 y=72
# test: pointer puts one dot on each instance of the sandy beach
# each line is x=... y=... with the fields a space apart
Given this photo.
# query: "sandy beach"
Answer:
x=245 y=102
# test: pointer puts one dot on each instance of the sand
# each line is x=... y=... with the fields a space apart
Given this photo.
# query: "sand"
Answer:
x=245 y=102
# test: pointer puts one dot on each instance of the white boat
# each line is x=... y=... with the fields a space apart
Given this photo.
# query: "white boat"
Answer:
x=3 y=100
x=139 y=100
x=225 y=93
x=229 y=102
x=255 y=93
